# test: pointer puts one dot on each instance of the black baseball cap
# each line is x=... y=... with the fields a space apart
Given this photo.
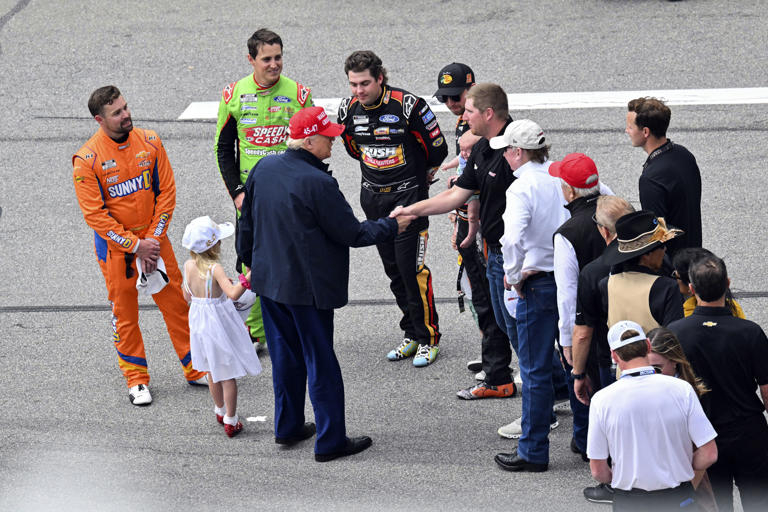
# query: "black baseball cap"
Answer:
x=453 y=79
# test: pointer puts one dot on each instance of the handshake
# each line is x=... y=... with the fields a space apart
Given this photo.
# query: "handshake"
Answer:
x=403 y=216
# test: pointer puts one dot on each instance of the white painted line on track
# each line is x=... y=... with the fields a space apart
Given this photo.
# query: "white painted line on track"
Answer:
x=557 y=100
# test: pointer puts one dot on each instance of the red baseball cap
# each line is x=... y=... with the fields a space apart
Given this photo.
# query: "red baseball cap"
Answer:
x=577 y=170
x=313 y=121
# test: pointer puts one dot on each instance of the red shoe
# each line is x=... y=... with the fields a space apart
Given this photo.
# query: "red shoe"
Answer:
x=220 y=419
x=233 y=430
x=484 y=390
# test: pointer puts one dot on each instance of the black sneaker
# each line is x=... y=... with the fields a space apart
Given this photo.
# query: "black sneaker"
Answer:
x=602 y=493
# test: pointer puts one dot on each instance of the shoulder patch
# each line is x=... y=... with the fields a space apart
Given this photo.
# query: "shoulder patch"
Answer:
x=409 y=101
x=302 y=94
x=226 y=94
x=396 y=95
x=344 y=109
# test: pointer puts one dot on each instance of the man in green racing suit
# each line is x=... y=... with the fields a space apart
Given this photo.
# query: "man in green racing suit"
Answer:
x=252 y=123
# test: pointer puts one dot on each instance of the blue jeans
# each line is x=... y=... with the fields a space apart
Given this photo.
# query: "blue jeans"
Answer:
x=495 y=274
x=580 y=413
x=537 y=331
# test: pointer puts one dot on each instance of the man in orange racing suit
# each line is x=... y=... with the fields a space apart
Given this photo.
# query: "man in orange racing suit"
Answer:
x=126 y=190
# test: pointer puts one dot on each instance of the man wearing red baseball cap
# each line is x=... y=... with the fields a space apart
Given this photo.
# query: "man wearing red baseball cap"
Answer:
x=296 y=229
x=576 y=242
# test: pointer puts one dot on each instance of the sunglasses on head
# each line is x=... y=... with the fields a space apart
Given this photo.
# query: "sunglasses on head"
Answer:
x=443 y=99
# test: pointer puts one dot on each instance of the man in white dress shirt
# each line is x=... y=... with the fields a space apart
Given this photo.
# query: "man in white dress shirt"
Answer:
x=533 y=214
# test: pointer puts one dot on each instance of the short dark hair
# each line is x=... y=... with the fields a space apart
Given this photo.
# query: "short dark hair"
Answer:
x=633 y=350
x=260 y=38
x=709 y=278
x=540 y=155
x=683 y=259
x=362 y=60
x=651 y=113
x=101 y=97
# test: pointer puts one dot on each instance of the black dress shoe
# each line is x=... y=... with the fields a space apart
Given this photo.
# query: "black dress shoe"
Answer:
x=354 y=445
x=307 y=431
x=602 y=493
x=575 y=449
x=513 y=462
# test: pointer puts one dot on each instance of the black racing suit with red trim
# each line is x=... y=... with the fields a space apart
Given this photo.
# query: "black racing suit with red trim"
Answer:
x=398 y=141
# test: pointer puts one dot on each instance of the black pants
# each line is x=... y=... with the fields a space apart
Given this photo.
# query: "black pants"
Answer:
x=403 y=260
x=495 y=351
x=742 y=457
x=637 y=500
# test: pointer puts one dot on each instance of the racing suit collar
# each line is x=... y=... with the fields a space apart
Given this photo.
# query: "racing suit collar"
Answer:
x=379 y=102
x=261 y=87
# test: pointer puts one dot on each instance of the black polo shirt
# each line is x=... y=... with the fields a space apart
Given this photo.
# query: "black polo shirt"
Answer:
x=488 y=172
x=589 y=307
x=670 y=187
x=730 y=354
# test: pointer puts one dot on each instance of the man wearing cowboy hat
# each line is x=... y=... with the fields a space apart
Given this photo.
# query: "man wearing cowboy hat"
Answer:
x=635 y=290
x=297 y=228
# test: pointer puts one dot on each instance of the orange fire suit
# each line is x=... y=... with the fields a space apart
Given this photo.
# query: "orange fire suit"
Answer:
x=127 y=192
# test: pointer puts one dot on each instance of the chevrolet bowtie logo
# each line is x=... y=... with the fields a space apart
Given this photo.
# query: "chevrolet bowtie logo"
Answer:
x=709 y=324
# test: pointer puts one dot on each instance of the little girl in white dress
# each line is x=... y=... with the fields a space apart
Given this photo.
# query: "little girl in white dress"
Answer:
x=219 y=340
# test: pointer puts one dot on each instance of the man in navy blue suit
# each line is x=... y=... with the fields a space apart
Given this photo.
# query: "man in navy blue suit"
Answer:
x=296 y=229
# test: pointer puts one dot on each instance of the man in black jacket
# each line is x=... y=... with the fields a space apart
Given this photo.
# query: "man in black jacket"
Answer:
x=296 y=229
x=398 y=142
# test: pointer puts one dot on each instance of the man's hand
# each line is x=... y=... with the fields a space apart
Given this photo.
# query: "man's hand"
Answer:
x=403 y=221
x=239 y=200
x=582 y=388
x=149 y=252
x=568 y=354
x=400 y=210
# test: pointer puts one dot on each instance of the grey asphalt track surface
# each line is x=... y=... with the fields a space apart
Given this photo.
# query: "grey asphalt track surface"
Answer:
x=69 y=438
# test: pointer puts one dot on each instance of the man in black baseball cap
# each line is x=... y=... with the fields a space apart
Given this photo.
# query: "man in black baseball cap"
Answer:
x=452 y=84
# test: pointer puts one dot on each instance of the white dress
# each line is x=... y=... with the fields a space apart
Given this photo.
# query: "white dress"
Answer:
x=218 y=339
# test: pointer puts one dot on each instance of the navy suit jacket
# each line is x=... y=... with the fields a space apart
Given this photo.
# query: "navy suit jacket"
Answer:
x=296 y=229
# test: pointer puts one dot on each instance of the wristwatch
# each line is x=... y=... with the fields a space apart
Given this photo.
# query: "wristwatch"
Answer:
x=578 y=376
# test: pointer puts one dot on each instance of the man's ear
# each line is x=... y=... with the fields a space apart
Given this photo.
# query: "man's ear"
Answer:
x=646 y=132
x=98 y=118
x=690 y=287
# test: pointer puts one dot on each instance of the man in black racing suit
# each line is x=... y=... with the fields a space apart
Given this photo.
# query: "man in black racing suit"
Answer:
x=395 y=136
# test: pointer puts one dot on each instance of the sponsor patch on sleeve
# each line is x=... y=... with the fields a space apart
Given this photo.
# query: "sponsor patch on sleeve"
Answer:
x=428 y=117
x=438 y=142
x=226 y=94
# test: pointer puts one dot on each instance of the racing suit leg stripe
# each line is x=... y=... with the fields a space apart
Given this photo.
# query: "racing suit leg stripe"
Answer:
x=424 y=278
x=125 y=318
x=175 y=310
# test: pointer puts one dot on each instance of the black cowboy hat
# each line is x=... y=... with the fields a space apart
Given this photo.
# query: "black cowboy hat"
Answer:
x=638 y=233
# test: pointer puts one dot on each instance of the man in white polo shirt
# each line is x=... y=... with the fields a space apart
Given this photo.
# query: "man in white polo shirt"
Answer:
x=648 y=424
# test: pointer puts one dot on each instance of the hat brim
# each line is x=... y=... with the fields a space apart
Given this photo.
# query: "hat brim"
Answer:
x=449 y=91
x=332 y=130
x=612 y=255
x=554 y=168
x=226 y=229
x=498 y=142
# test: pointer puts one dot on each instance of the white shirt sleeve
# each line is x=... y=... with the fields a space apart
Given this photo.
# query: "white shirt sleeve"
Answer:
x=566 y=278
x=699 y=427
x=516 y=219
x=597 y=441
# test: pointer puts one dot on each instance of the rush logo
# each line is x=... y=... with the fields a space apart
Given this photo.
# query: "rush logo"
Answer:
x=128 y=187
x=266 y=135
x=383 y=157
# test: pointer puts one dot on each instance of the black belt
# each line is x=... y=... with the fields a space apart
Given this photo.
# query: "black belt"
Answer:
x=398 y=186
x=643 y=492
x=539 y=275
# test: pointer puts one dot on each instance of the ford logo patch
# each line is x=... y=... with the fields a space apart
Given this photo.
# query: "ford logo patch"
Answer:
x=282 y=99
x=389 y=118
